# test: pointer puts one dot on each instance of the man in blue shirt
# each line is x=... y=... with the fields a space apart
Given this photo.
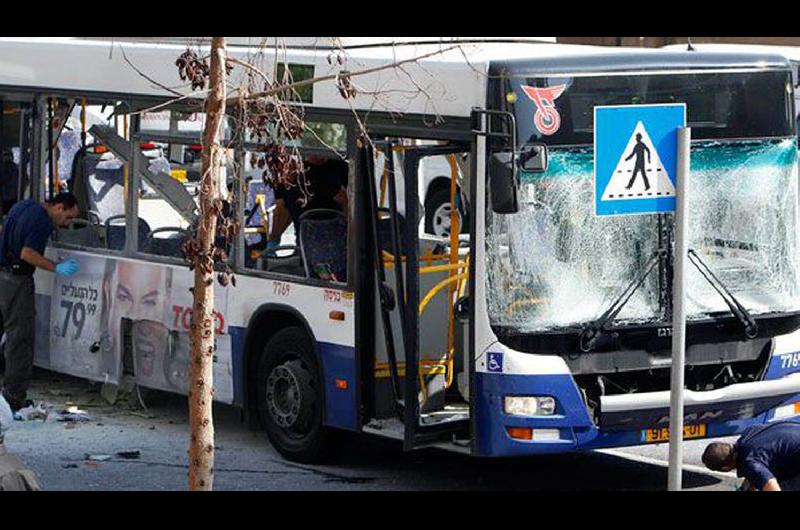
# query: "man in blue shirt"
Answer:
x=25 y=234
x=765 y=455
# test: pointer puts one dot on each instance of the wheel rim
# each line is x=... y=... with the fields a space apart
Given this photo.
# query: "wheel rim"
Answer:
x=289 y=402
x=441 y=219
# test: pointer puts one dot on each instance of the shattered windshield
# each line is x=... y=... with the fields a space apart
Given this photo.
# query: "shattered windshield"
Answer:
x=555 y=265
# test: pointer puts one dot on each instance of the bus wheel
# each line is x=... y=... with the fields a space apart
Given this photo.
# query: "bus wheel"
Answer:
x=437 y=214
x=290 y=398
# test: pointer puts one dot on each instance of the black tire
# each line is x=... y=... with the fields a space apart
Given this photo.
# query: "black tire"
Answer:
x=290 y=398
x=435 y=200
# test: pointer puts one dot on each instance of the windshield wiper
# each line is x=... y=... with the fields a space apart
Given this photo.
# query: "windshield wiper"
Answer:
x=589 y=334
x=750 y=325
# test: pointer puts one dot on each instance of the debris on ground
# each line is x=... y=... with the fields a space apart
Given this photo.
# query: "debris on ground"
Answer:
x=97 y=458
x=86 y=403
x=32 y=412
x=74 y=414
x=70 y=466
x=129 y=455
x=46 y=412
x=144 y=415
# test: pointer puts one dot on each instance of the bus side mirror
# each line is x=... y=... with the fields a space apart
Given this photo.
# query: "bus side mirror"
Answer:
x=533 y=158
x=504 y=176
x=503 y=183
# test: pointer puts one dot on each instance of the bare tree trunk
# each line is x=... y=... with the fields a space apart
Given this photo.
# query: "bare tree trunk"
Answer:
x=201 y=389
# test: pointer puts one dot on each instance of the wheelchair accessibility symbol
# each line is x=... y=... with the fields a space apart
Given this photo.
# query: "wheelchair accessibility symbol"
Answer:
x=494 y=362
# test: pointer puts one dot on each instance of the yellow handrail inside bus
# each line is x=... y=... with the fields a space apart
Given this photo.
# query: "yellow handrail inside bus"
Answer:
x=384 y=180
x=463 y=285
x=438 y=287
x=438 y=268
x=261 y=201
x=388 y=258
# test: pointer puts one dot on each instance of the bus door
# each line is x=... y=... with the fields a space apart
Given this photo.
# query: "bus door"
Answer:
x=420 y=275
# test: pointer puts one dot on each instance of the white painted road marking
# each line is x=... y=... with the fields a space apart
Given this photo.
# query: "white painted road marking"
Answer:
x=655 y=461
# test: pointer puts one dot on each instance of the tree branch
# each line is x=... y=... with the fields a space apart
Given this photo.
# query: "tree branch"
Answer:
x=298 y=84
x=138 y=71
x=250 y=67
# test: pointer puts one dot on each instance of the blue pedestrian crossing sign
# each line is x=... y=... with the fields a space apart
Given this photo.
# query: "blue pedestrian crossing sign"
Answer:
x=636 y=158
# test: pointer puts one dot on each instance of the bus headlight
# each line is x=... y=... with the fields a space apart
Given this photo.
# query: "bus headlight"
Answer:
x=529 y=405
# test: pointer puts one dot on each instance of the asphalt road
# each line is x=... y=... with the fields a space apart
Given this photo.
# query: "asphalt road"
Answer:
x=245 y=460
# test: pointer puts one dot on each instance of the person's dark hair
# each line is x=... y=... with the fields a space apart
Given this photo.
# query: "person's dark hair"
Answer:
x=64 y=198
x=332 y=170
x=718 y=455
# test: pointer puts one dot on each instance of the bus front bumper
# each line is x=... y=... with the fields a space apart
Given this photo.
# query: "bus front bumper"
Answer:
x=623 y=420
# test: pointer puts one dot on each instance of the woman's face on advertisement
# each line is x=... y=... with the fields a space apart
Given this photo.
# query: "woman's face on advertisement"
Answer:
x=140 y=294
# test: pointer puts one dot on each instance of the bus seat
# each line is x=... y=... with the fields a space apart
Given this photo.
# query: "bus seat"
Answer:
x=167 y=246
x=80 y=232
x=115 y=233
x=277 y=260
x=82 y=165
x=100 y=183
x=323 y=243
x=93 y=217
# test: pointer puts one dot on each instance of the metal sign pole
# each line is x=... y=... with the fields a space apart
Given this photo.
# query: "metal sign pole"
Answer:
x=679 y=313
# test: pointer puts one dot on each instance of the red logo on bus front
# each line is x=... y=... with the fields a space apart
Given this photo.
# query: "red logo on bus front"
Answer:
x=547 y=119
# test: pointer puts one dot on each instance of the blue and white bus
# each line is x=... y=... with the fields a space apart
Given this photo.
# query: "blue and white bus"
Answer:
x=527 y=326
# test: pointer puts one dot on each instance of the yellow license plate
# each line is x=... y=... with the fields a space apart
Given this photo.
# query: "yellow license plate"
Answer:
x=662 y=435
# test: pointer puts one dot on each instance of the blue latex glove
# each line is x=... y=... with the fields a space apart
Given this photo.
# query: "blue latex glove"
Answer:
x=271 y=245
x=67 y=268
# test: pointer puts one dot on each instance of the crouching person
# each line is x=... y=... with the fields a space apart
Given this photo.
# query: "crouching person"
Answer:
x=767 y=456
